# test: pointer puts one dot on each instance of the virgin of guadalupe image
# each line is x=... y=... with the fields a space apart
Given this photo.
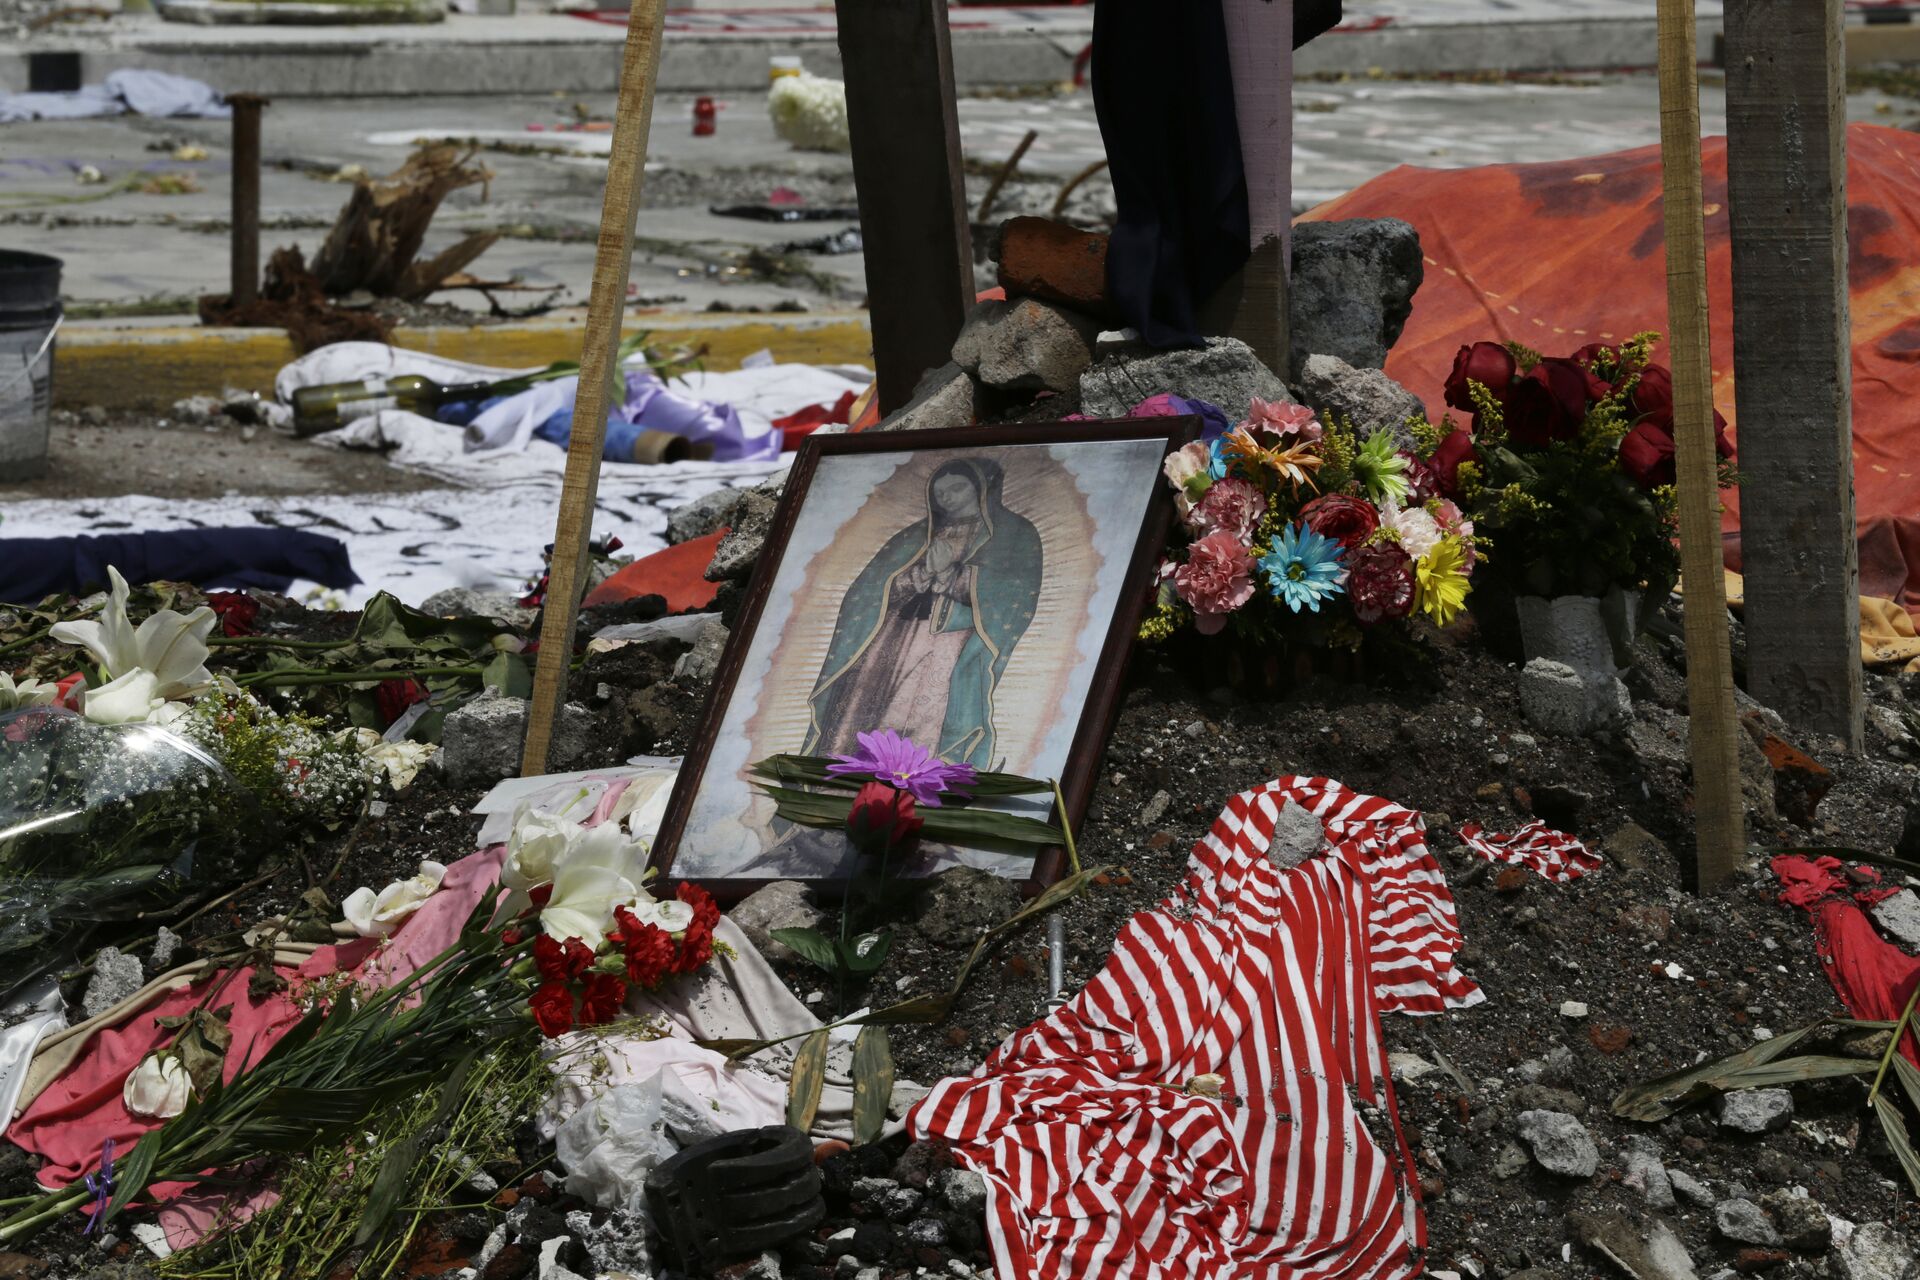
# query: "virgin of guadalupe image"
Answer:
x=928 y=626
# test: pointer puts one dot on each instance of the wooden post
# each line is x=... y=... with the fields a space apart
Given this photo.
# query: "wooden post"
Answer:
x=599 y=367
x=905 y=128
x=1253 y=305
x=1787 y=198
x=244 y=270
x=1719 y=820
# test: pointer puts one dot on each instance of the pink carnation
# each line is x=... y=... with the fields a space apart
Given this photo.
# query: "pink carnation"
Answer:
x=1454 y=521
x=1281 y=418
x=1229 y=506
x=1216 y=579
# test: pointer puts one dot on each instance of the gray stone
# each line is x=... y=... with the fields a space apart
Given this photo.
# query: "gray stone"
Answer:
x=764 y=1267
x=1510 y=1161
x=1553 y=697
x=926 y=1233
x=1225 y=372
x=1659 y=737
x=1875 y=1251
x=701 y=661
x=734 y=558
x=116 y=976
x=780 y=905
x=1352 y=288
x=1297 y=836
x=1649 y=1251
x=1367 y=398
x=1803 y=1225
x=165 y=943
x=1026 y=345
x=1899 y=916
x=1642 y=1170
x=962 y=1190
x=481 y=739
x=944 y=398
x=1691 y=1189
x=464 y=602
x=1634 y=847
x=1155 y=808
x=1754 y=1110
x=960 y=902
x=703 y=515
x=1744 y=1222
x=1560 y=1143
x=1541 y=1097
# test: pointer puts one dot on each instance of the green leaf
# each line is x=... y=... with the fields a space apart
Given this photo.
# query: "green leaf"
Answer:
x=812 y=945
x=861 y=963
x=809 y=1077
x=386 y=623
x=398 y=1170
x=872 y=1084
x=130 y=1177
x=1657 y=1099
x=508 y=673
x=1896 y=1131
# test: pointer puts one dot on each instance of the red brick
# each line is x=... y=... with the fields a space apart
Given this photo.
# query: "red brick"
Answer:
x=1800 y=782
x=1054 y=262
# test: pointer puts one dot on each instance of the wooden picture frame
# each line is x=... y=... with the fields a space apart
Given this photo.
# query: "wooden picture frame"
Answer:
x=1101 y=702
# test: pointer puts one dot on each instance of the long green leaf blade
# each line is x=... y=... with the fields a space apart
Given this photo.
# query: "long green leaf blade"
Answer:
x=872 y=1083
x=809 y=1077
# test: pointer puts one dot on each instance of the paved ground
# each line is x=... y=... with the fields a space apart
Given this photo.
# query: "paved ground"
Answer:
x=128 y=246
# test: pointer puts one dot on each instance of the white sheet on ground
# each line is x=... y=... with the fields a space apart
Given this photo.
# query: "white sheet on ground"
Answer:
x=149 y=93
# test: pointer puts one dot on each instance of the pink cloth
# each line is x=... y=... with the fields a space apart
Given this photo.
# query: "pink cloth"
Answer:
x=74 y=1116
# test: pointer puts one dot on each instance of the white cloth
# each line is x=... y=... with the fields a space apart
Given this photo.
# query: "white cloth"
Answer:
x=149 y=93
x=19 y=1042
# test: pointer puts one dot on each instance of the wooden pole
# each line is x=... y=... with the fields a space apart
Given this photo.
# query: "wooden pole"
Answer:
x=1787 y=200
x=1253 y=305
x=905 y=128
x=599 y=367
x=1719 y=820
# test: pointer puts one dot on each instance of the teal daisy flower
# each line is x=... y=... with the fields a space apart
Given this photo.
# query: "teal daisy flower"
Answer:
x=1381 y=470
x=1303 y=568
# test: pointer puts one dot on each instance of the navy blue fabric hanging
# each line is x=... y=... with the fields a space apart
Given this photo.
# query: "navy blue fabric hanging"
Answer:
x=267 y=558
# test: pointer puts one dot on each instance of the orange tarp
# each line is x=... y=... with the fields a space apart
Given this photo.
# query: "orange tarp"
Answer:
x=1562 y=254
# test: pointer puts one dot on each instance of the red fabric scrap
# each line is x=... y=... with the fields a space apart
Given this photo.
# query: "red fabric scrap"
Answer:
x=677 y=573
x=1873 y=978
x=1555 y=855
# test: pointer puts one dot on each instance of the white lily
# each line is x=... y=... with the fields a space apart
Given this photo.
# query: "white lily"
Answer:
x=536 y=848
x=170 y=645
x=127 y=699
x=159 y=1087
x=17 y=695
x=375 y=915
x=643 y=805
x=601 y=870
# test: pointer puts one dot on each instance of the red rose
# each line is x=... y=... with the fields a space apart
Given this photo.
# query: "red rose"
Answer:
x=1380 y=583
x=1348 y=521
x=552 y=1008
x=391 y=697
x=1549 y=403
x=510 y=937
x=236 y=610
x=1721 y=445
x=1653 y=397
x=1487 y=363
x=1646 y=454
x=561 y=961
x=882 y=818
x=649 y=949
x=601 y=998
x=696 y=948
x=1455 y=449
x=705 y=910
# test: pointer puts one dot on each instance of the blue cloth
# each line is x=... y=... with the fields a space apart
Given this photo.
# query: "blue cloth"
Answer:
x=32 y=569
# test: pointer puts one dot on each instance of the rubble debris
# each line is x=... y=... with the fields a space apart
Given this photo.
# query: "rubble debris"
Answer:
x=1041 y=258
x=1297 y=835
x=1649 y=1252
x=784 y=904
x=1754 y=1110
x=1560 y=1143
x=960 y=902
x=751 y=521
x=480 y=741
x=1899 y=915
x=1352 y=287
x=1026 y=345
x=1744 y=1222
x=945 y=397
x=1643 y=1171
x=1367 y=397
x=115 y=977
x=1225 y=372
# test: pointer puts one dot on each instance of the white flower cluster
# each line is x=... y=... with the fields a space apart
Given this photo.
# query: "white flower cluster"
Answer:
x=809 y=112
x=295 y=768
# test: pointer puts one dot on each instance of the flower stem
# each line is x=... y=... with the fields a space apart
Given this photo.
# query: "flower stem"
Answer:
x=1893 y=1045
x=274 y=642
x=1066 y=828
x=308 y=675
x=51 y=1206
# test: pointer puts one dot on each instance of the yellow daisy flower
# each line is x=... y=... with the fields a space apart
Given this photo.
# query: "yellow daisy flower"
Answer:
x=1440 y=581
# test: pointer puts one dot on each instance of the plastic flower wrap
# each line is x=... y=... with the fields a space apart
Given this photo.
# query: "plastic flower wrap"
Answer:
x=99 y=822
x=809 y=112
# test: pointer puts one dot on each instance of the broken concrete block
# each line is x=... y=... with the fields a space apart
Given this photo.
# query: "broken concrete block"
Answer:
x=1225 y=372
x=116 y=975
x=701 y=661
x=706 y=514
x=1026 y=345
x=1800 y=782
x=1642 y=1252
x=1900 y=917
x=481 y=740
x=1744 y=1222
x=1297 y=836
x=1560 y=1143
x=1754 y=1110
x=1875 y=1251
x=1643 y=1171
x=1041 y=258
x=1366 y=397
x=943 y=398
x=781 y=905
x=749 y=523
x=1352 y=288
x=1553 y=697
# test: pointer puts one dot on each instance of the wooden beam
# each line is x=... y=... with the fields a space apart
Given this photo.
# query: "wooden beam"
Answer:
x=907 y=172
x=1792 y=356
x=1719 y=820
x=599 y=367
x=1253 y=305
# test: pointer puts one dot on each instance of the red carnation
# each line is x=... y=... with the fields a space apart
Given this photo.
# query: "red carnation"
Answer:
x=696 y=948
x=540 y=895
x=1380 y=583
x=705 y=910
x=649 y=949
x=1487 y=363
x=1646 y=454
x=1445 y=461
x=236 y=610
x=882 y=818
x=561 y=961
x=1422 y=483
x=391 y=697
x=552 y=1008
x=601 y=998
x=1348 y=521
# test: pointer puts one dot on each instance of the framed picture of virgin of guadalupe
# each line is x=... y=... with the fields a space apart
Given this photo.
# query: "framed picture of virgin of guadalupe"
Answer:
x=974 y=590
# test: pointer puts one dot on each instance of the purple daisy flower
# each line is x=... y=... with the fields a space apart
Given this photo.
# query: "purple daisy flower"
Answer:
x=887 y=757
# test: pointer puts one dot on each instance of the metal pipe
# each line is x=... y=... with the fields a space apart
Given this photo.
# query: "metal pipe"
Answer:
x=246 y=196
x=1056 y=962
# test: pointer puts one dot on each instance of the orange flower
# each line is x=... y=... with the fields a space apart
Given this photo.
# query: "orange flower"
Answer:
x=1294 y=464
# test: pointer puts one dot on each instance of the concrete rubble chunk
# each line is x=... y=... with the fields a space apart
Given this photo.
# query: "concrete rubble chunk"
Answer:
x=1553 y=697
x=701 y=661
x=1352 y=288
x=116 y=975
x=1899 y=917
x=1876 y=1251
x=1744 y=1222
x=1297 y=836
x=1041 y=258
x=1643 y=1252
x=704 y=515
x=961 y=901
x=480 y=741
x=465 y=602
x=1560 y=1143
x=752 y=520
x=1225 y=372
x=1754 y=1110
x=1510 y=1161
x=963 y=1191
x=1026 y=345
x=1366 y=397
x=1642 y=1170
x=1803 y=1225
x=1691 y=1189
x=945 y=397
x=781 y=905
